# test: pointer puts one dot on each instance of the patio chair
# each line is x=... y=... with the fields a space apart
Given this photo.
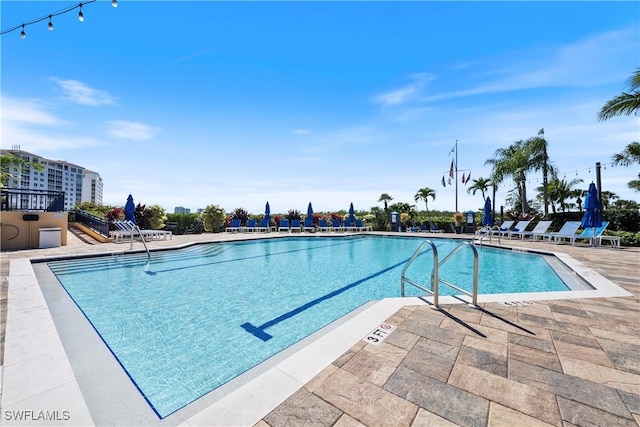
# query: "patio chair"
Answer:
x=263 y=226
x=349 y=226
x=234 y=226
x=433 y=227
x=361 y=227
x=504 y=228
x=196 y=228
x=569 y=228
x=250 y=226
x=335 y=225
x=308 y=225
x=540 y=228
x=295 y=225
x=323 y=225
x=284 y=225
x=520 y=226
x=593 y=235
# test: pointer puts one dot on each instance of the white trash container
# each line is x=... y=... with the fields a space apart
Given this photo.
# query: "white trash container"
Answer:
x=50 y=237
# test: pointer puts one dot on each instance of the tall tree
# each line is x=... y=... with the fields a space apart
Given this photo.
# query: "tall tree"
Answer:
x=481 y=184
x=424 y=194
x=10 y=164
x=537 y=148
x=384 y=197
x=511 y=162
x=624 y=104
x=559 y=191
x=629 y=156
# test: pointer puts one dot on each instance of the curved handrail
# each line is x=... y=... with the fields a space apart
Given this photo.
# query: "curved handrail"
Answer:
x=474 y=294
x=435 y=279
x=490 y=234
x=434 y=282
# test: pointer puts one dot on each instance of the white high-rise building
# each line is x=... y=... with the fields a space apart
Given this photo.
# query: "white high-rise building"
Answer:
x=79 y=184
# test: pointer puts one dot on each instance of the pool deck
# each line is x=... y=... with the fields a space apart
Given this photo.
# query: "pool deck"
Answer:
x=561 y=362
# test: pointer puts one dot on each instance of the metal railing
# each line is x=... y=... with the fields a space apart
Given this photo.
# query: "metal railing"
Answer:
x=435 y=279
x=490 y=234
x=94 y=222
x=16 y=199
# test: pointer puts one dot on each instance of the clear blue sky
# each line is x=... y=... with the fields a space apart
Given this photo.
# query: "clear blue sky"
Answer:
x=236 y=103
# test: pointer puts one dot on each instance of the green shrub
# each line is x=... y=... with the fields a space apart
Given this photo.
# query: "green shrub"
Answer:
x=623 y=219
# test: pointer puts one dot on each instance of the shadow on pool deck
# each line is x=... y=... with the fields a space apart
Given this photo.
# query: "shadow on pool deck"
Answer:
x=582 y=366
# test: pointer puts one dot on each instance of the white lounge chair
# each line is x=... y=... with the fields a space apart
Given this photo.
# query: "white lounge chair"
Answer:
x=593 y=235
x=540 y=228
x=504 y=228
x=520 y=226
x=569 y=228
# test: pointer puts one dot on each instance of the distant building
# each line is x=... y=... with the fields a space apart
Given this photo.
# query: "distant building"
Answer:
x=181 y=210
x=91 y=187
x=79 y=184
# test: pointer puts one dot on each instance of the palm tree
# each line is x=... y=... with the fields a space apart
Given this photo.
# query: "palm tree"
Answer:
x=539 y=160
x=512 y=161
x=481 y=184
x=10 y=163
x=625 y=103
x=559 y=191
x=384 y=197
x=629 y=156
x=424 y=194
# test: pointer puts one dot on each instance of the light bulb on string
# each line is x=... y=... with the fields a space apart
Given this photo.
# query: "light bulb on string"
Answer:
x=50 y=25
x=80 y=14
x=23 y=35
x=114 y=3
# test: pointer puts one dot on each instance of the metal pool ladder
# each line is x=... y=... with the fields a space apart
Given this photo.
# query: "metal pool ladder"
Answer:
x=488 y=233
x=435 y=279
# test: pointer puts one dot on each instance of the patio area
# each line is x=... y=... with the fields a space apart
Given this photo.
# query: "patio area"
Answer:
x=555 y=362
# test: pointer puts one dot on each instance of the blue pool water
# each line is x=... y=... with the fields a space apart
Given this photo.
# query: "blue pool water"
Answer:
x=200 y=316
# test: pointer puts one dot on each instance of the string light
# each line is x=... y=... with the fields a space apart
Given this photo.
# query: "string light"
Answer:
x=49 y=16
x=114 y=3
x=577 y=172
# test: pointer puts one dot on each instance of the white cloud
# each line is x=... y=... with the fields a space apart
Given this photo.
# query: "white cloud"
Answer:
x=131 y=130
x=591 y=61
x=27 y=123
x=79 y=93
x=302 y=132
x=406 y=93
x=17 y=110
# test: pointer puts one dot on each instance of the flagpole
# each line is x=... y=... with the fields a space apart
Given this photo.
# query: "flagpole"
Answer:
x=456 y=148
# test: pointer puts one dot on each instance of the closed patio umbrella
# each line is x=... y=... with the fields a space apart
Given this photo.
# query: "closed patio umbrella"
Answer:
x=487 y=218
x=310 y=212
x=267 y=214
x=352 y=214
x=592 y=217
x=130 y=210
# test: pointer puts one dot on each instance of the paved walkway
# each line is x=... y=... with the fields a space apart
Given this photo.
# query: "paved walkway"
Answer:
x=549 y=363
x=558 y=363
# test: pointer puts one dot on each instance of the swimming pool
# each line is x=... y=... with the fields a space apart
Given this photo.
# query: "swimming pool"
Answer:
x=182 y=328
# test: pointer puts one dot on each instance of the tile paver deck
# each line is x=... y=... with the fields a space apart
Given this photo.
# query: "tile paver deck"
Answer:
x=558 y=363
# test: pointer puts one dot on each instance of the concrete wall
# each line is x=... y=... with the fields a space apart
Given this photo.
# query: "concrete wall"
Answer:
x=16 y=233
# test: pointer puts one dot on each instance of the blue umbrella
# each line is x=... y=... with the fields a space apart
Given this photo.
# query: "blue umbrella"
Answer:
x=487 y=218
x=267 y=214
x=352 y=214
x=130 y=210
x=309 y=212
x=592 y=217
